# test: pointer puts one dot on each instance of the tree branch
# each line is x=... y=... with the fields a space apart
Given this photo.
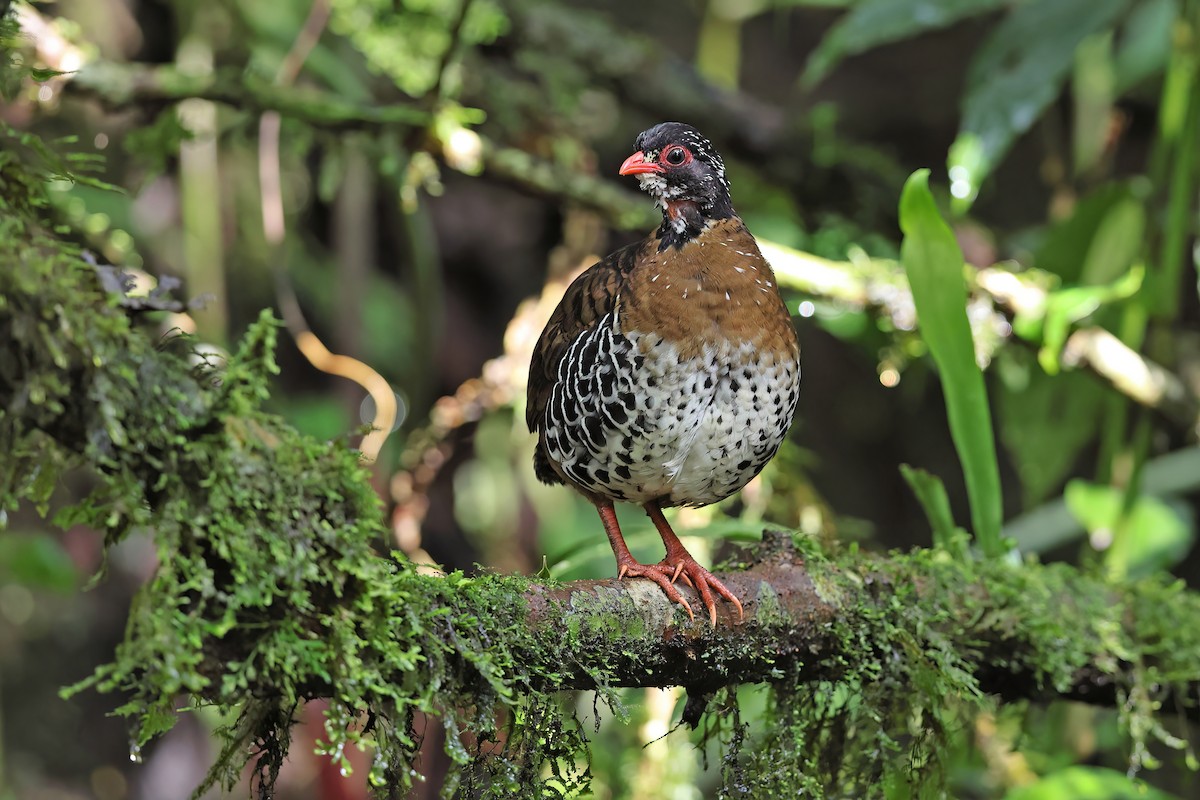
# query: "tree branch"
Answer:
x=814 y=621
x=120 y=85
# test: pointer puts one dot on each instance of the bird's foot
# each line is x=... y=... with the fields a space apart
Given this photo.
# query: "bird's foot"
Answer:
x=667 y=572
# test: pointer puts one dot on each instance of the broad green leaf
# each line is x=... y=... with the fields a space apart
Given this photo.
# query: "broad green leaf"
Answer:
x=1067 y=244
x=1116 y=244
x=1144 y=42
x=874 y=22
x=931 y=493
x=1087 y=783
x=1019 y=71
x=1151 y=536
x=934 y=265
x=1044 y=421
x=1052 y=525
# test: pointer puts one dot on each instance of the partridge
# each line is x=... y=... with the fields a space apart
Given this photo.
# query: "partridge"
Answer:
x=669 y=372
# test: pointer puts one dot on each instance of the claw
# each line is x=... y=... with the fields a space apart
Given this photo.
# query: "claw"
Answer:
x=699 y=579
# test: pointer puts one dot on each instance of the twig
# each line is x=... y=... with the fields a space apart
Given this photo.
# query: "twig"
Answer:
x=439 y=90
x=1139 y=379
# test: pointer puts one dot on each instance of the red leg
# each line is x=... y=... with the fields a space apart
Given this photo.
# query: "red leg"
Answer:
x=627 y=566
x=681 y=565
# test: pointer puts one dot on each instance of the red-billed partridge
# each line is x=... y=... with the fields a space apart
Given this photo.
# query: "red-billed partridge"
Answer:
x=668 y=375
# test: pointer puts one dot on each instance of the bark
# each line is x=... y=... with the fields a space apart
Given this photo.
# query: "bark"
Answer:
x=809 y=622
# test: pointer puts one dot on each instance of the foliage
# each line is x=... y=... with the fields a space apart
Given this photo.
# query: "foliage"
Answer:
x=1021 y=67
x=265 y=538
x=933 y=263
x=274 y=586
x=414 y=49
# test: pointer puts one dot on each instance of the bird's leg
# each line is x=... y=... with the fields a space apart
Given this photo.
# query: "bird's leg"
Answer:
x=627 y=566
x=680 y=564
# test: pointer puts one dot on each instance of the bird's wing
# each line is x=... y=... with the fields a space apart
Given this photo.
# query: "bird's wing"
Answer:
x=587 y=300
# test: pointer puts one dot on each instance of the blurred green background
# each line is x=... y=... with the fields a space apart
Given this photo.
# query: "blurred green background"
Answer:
x=438 y=164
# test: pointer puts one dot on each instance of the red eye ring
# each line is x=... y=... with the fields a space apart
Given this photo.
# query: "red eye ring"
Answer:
x=675 y=155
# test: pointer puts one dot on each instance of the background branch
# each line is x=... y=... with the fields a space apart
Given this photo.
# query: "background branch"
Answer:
x=120 y=85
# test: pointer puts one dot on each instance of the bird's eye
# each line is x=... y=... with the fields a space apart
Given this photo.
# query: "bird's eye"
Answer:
x=676 y=156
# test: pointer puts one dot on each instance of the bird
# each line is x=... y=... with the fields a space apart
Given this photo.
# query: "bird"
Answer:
x=668 y=375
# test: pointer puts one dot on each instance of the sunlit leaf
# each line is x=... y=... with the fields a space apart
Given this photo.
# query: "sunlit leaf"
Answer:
x=934 y=265
x=1150 y=536
x=1087 y=783
x=1065 y=307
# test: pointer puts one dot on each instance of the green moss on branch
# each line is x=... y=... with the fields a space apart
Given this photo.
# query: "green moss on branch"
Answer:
x=120 y=84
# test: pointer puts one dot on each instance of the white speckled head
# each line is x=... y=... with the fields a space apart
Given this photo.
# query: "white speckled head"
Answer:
x=675 y=162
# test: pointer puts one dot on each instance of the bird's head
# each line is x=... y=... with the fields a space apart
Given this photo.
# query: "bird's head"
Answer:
x=680 y=169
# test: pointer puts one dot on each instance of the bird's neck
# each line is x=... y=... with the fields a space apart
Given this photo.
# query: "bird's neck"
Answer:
x=684 y=220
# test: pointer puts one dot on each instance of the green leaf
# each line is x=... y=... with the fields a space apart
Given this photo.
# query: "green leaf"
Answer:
x=1067 y=306
x=1016 y=74
x=41 y=75
x=931 y=493
x=1152 y=536
x=1053 y=525
x=1044 y=421
x=38 y=561
x=1144 y=43
x=1116 y=244
x=1087 y=783
x=1068 y=245
x=934 y=265
x=874 y=22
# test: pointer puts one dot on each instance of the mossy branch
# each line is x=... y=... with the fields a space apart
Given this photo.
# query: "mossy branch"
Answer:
x=120 y=85
x=270 y=590
x=1025 y=631
x=1019 y=631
